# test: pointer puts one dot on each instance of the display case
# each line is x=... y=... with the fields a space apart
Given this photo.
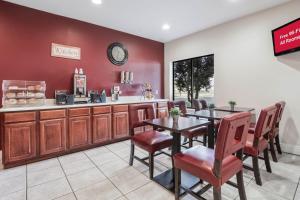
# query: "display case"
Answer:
x=23 y=93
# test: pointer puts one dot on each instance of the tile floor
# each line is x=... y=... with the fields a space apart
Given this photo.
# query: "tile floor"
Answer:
x=103 y=173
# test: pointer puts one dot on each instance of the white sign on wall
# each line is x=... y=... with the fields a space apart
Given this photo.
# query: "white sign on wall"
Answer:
x=63 y=51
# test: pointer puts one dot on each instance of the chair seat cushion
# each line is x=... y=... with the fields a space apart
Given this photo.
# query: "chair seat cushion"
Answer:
x=152 y=140
x=195 y=132
x=199 y=161
x=253 y=151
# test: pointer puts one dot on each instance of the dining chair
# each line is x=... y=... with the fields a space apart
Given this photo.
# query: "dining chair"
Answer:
x=151 y=141
x=274 y=134
x=199 y=104
x=192 y=134
x=257 y=141
x=216 y=166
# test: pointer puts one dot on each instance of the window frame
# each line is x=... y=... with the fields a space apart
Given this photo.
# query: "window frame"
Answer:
x=192 y=73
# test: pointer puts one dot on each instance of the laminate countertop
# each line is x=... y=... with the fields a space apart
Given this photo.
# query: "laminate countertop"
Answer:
x=51 y=106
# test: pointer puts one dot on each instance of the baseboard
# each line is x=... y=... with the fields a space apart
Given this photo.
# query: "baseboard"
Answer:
x=288 y=148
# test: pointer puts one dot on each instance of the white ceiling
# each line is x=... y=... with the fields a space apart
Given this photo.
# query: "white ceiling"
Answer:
x=146 y=17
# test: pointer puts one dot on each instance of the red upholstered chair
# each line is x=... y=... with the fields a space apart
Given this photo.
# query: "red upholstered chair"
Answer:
x=274 y=134
x=199 y=104
x=192 y=134
x=217 y=166
x=257 y=141
x=150 y=141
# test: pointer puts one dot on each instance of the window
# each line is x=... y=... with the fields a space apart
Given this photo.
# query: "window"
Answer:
x=194 y=79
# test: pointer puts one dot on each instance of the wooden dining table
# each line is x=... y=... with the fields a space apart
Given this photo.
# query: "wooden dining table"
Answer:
x=236 y=109
x=213 y=115
x=166 y=179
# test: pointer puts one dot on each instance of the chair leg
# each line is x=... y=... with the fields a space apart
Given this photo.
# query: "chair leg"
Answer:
x=151 y=165
x=267 y=160
x=217 y=193
x=256 y=170
x=205 y=140
x=177 y=184
x=277 y=142
x=272 y=149
x=241 y=187
x=190 y=142
x=131 y=154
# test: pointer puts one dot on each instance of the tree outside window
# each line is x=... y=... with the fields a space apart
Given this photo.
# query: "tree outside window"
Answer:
x=193 y=79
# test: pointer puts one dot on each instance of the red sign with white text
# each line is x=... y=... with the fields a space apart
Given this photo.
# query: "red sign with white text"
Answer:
x=286 y=39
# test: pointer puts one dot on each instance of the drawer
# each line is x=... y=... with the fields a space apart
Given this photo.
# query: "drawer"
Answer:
x=52 y=114
x=19 y=117
x=101 y=110
x=120 y=108
x=162 y=104
x=74 y=112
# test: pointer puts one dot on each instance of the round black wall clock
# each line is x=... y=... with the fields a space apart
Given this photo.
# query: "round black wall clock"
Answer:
x=117 y=54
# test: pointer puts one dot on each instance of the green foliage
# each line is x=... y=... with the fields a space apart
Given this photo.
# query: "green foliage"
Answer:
x=203 y=71
x=175 y=112
x=232 y=103
x=211 y=106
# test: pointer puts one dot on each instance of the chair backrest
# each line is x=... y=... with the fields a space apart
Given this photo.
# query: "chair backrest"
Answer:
x=199 y=104
x=134 y=121
x=180 y=104
x=265 y=122
x=232 y=134
x=280 y=105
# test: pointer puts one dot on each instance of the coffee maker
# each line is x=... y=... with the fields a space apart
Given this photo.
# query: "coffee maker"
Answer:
x=80 y=88
x=62 y=97
x=115 y=93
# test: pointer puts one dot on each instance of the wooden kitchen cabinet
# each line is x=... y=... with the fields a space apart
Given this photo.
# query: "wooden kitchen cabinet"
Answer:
x=79 y=132
x=19 y=141
x=120 y=125
x=52 y=136
x=29 y=136
x=101 y=128
x=52 y=131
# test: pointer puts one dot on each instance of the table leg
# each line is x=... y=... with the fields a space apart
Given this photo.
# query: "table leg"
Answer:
x=176 y=148
x=211 y=134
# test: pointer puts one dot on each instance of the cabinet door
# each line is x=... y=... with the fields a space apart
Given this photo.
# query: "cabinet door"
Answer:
x=79 y=132
x=162 y=112
x=52 y=136
x=20 y=141
x=120 y=125
x=101 y=128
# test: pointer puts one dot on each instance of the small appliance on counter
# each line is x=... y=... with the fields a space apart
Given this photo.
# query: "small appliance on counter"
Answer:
x=62 y=97
x=147 y=91
x=115 y=93
x=95 y=97
x=80 y=87
x=17 y=93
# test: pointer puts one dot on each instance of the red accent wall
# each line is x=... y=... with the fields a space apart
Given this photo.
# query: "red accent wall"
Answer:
x=25 y=45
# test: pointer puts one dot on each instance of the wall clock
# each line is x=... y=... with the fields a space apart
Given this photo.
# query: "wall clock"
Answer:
x=117 y=54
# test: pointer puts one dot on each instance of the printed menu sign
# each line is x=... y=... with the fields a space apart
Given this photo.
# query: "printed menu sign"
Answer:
x=63 y=51
x=286 y=39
